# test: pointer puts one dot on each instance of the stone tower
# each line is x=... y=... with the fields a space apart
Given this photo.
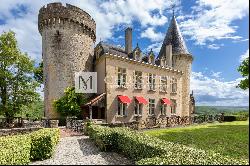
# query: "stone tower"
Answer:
x=68 y=36
x=181 y=59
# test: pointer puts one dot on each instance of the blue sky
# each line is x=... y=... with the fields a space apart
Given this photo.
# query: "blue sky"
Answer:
x=216 y=33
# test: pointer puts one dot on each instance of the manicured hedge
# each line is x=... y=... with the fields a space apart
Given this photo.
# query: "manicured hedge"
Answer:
x=150 y=150
x=230 y=118
x=43 y=143
x=15 y=150
x=20 y=149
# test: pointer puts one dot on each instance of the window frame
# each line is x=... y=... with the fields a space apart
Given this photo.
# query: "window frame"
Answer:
x=173 y=84
x=138 y=109
x=151 y=107
x=173 y=108
x=163 y=109
x=151 y=81
x=122 y=77
x=121 y=111
x=138 y=80
x=163 y=83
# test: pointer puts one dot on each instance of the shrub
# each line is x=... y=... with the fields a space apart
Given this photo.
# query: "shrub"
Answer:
x=15 y=150
x=43 y=143
x=150 y=150
x=230 y=118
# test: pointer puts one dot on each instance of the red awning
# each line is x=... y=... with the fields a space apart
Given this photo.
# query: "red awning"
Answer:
x=124 y=99
x=141 y=100
x=166 y=101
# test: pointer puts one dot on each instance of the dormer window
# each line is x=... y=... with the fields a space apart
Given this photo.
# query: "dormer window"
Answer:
x=137 y=56
x=163 y=62
x=151 y=57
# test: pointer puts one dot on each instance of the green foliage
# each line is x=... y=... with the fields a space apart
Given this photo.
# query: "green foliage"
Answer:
x=38 y=73
x=43 y=143
x=244 y=71
x=230 y=118
x=70 y=103
x=140 y=147
x=20 y=149
x=17 y=84
x=228 y=138
x=15 y=150
x=33 y=110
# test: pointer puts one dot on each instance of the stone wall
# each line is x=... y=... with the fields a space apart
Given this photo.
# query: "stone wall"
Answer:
x=112 y=63
x=68 y=36
x=16 y=131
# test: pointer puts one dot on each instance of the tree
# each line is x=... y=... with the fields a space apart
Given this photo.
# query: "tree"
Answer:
x=244 y=70
x=17 y=83
x=70 y=104
x=38 y=73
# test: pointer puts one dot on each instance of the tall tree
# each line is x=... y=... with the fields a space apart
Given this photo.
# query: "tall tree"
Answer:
x=244 y=71
x=39 y=73
x=17 y=83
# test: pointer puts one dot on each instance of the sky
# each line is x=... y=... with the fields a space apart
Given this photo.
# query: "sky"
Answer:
x=216 y=33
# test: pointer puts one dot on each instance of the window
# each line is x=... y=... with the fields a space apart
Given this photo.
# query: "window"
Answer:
x=163 y=84
x=121 y=77
x=151 y=81
x=173 y=106
x=151 y=106
x=138 y=80
x=138 y=108
x=163 y=109
x=151 y=59
x=173 y=85
x=121 y=108
x=137 y=55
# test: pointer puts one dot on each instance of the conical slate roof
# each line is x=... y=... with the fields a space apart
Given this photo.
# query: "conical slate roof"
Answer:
x=174 y=38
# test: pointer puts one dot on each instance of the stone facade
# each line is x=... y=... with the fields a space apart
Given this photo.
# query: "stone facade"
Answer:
x=68 y=36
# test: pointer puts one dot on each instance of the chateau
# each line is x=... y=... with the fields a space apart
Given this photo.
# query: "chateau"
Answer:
x=130 y=84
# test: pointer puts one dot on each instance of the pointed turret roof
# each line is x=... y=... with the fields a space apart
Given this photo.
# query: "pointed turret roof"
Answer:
x=174 y=38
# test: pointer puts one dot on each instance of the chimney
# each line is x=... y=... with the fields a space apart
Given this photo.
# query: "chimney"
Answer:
x=169 y=55
x=128 y=40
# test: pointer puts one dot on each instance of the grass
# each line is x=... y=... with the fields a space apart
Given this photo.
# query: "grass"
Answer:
x=229 y=138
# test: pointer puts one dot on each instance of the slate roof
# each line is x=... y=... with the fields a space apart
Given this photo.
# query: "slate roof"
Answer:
x=174 y=38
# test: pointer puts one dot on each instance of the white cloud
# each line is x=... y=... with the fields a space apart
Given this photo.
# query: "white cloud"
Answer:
x=107 y=14
x=210 y=91
x=215 y=46
x=152 y=35
x=244 y=56
x=216 y=74
x=212 y=20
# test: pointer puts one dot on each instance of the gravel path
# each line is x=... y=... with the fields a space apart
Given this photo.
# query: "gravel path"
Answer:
x=80 y=150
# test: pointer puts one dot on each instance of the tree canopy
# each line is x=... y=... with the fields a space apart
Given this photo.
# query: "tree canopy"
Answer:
x=70 y=104
x=17 y=83
x=244 y=71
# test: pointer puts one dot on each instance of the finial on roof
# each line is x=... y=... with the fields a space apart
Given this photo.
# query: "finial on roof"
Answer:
x=137 y=45
x=173 y=9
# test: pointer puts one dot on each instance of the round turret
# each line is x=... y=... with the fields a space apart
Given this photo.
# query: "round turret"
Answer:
x=68 y=36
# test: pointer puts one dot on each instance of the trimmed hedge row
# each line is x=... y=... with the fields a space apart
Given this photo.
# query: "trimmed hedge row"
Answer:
x=15 y=150
x=230 y=118
x=20 y=149
x=149 y=150
x=43 y=143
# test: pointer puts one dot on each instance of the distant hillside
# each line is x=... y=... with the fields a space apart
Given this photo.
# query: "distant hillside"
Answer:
x=220 y=109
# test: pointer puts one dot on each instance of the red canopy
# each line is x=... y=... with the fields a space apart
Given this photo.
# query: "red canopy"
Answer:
x=141 y=100
x=166 y=101
x=124 y=99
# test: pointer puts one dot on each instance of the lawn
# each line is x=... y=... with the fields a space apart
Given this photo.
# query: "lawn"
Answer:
x=229 y=138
